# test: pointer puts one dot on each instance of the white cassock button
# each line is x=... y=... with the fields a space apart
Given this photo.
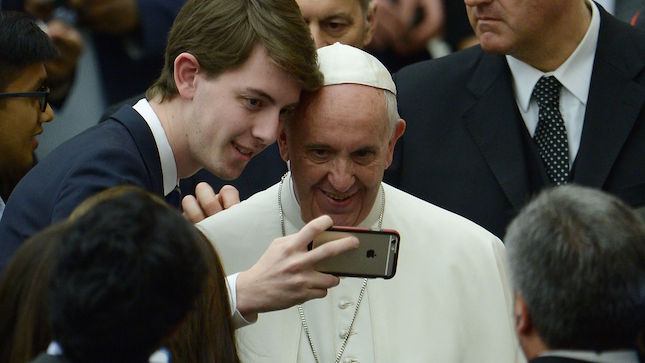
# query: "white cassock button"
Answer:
x=350 y=360
x=343 y=333
x=343 y=304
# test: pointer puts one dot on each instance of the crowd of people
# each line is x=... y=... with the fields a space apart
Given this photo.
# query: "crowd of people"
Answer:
x=508 y=168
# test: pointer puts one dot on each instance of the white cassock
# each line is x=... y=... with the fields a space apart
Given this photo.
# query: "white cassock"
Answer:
x=449 y=301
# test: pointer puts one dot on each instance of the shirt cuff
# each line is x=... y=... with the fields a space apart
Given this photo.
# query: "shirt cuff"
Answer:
x=238 y=320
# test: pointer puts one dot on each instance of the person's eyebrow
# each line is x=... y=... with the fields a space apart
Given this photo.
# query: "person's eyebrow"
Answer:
x=338 y=16
x=261 y=94
x=38 y=83
x=372 y=149
x=317 y=146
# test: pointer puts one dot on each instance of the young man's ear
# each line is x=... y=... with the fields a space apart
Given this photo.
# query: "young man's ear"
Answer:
x=186 y=68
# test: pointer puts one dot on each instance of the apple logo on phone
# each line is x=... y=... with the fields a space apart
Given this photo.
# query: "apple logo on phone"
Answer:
x=371 y=254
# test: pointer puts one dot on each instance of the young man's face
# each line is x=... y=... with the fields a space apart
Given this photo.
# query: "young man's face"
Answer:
x=332 y=21
x=239 y=113
x=21 y=119
x=339 y=145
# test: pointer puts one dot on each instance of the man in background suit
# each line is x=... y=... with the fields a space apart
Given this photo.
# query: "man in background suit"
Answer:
x=216 y=104
x=577 y=264
x=471 y=118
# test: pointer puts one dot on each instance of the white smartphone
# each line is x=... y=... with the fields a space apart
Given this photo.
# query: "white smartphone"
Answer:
x=376 y=255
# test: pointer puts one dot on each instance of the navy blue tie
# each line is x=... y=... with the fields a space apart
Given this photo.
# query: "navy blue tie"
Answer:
x=174 y=198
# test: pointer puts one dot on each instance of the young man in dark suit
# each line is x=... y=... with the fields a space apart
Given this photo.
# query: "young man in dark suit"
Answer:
x=216 y=104
x=471 y=144
x=577 y=264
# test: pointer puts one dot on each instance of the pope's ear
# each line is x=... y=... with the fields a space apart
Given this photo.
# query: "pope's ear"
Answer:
x=399 y=129
x=284 y=147
x=186 y=68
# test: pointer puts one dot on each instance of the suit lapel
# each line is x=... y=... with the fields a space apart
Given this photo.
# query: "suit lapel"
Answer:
x=146 y=144
x=493 y=122
x=614 y=103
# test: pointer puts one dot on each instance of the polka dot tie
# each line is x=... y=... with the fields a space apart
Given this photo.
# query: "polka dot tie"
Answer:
x=550 y=134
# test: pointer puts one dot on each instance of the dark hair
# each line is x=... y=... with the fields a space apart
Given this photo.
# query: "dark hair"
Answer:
x=129 y=270
x=577 y=257
x=221 y=34
x=24 y=291
x=208 y=334
x=22 y=43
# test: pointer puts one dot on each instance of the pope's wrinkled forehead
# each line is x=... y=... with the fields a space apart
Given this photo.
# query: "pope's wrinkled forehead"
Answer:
x=344 y=64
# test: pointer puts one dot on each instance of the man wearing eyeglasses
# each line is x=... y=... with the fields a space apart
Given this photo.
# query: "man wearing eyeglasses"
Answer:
x=24 y=48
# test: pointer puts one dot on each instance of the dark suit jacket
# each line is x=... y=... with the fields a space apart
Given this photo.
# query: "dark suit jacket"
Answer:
x=466 y=147
x=119 y=151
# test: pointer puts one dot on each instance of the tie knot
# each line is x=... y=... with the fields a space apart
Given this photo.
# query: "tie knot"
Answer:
x=547 y=91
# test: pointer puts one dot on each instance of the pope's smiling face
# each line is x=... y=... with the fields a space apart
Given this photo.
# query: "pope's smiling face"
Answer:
x=339 y=144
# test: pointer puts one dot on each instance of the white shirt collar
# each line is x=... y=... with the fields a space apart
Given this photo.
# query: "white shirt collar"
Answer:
x=1 y=207
x=54 y=348
x=168 y=166
x=616 y=356
x=574 y=74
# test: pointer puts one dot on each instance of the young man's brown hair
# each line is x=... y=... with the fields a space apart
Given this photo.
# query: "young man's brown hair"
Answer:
x=222 y=33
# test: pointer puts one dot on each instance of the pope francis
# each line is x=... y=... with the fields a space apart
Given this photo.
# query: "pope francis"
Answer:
x=448 y=302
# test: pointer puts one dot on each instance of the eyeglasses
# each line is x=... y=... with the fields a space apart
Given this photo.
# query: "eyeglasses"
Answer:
x=41 y=95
